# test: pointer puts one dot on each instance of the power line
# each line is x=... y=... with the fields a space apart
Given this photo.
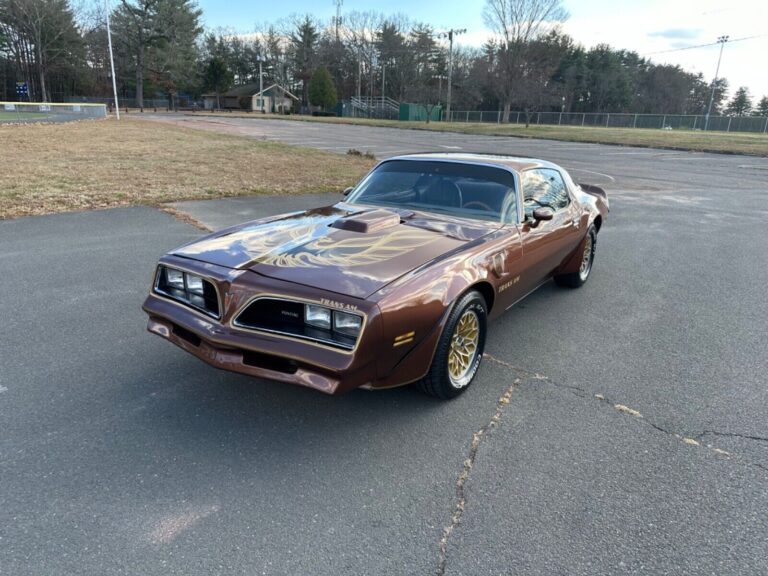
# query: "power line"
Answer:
x=702 y=45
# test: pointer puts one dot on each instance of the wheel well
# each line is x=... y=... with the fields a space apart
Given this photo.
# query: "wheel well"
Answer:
x=598 y=222
x=487 y=292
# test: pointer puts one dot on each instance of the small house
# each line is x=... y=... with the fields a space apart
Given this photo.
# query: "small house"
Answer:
x=273 y=99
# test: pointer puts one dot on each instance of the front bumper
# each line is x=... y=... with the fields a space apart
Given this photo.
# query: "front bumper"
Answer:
x=261 y=354
x=234 y=360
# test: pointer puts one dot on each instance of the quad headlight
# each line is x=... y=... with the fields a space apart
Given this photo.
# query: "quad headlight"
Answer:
x=188 y=288
x=346 y=323
x=327 y=319
x=317 y=316
x=195 y=284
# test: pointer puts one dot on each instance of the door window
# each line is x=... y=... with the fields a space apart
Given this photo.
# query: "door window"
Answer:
x=544 y=187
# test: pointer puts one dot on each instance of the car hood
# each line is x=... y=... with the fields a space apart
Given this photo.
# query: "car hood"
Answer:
x=348 y=249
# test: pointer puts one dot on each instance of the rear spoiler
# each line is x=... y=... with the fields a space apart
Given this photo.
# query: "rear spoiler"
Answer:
x=596 y=191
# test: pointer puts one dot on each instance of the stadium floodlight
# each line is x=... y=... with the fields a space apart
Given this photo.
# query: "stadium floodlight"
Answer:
x=721 y=40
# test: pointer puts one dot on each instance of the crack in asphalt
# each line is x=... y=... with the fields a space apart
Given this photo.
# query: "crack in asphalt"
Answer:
x=477 y=438
x=733 y=435
x=469 y=462
x=689 y=441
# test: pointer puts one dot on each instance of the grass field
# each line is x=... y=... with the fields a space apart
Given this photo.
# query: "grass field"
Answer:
x=84 y=165
x=723 y=142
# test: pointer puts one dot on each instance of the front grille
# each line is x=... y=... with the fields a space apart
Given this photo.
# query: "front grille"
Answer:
x=183 y=287
x=286 y=317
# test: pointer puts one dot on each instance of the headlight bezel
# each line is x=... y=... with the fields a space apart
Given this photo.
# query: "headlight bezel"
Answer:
x=204 y=297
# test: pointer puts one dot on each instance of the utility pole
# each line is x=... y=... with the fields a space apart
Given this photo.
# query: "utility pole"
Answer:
x=112 y=61
x=450 y=34
x=721 y=40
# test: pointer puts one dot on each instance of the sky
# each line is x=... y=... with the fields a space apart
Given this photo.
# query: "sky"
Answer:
x=653 y=28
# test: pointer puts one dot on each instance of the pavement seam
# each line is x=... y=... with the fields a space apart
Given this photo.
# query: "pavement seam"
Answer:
x=688 y=441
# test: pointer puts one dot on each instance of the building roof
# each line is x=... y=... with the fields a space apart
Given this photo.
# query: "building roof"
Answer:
x=249 y=90
x=278 y=87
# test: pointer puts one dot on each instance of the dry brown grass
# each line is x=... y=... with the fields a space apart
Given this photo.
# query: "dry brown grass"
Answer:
x=98 y=164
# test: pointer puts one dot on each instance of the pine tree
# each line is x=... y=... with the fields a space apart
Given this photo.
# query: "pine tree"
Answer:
x=217 y=77
x=740 y=104
x=322 y=92
x=762 y=107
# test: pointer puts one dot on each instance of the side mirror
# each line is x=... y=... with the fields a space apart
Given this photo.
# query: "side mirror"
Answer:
x=542 y=214
x=347 y=191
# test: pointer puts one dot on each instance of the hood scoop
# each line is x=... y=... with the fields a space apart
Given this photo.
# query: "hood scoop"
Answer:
x=368 y=222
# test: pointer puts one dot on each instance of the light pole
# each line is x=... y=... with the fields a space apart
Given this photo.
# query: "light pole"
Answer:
x=383 y=78
x=112 y=61
x=450 y=34
x=440 y=78
x=261 y=84
x=721 y=40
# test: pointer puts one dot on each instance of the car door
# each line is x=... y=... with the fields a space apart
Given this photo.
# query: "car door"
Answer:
x=509 y=266
x=547 y=243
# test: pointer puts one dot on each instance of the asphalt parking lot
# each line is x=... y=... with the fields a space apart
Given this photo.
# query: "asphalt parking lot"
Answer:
x=631 y=437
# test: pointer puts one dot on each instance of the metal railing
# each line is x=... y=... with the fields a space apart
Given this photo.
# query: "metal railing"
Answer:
x=28 y=112
x=755 y=124
x=374 y=107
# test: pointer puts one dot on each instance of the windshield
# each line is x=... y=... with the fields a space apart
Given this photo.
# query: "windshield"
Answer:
x=455 y=188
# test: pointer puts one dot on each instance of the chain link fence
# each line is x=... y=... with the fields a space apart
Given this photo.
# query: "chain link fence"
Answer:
x=757 y=124
x=150 y=104
x=24 y=112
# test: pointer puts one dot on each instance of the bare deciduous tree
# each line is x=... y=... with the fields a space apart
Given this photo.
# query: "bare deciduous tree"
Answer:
x=517 y=23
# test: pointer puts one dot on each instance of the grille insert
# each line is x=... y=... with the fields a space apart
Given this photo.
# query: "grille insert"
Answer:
x=286 y=317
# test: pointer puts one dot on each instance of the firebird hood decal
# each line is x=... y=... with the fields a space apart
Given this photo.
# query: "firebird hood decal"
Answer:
x=304 y=248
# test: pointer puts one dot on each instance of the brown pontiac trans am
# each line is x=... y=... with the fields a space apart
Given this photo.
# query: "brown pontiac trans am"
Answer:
x=393 y=285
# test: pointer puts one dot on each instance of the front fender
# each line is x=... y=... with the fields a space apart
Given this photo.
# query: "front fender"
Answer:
x=414 y=312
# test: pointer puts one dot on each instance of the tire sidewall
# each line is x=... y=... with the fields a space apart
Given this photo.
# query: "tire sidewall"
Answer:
x=590 y=233
x=476 y=303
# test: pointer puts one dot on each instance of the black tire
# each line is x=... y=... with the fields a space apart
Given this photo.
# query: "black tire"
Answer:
x=580 y=277
x=439 y=381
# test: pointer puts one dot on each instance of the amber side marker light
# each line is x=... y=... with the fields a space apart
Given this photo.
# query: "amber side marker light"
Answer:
x=403 y=339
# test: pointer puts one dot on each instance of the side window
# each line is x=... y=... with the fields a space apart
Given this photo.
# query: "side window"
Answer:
x=544 y=187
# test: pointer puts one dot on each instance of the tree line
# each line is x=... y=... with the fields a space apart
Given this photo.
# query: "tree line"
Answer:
x=161 y=50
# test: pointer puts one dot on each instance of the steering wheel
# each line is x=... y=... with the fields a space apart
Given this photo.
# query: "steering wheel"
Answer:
x=482 y=205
